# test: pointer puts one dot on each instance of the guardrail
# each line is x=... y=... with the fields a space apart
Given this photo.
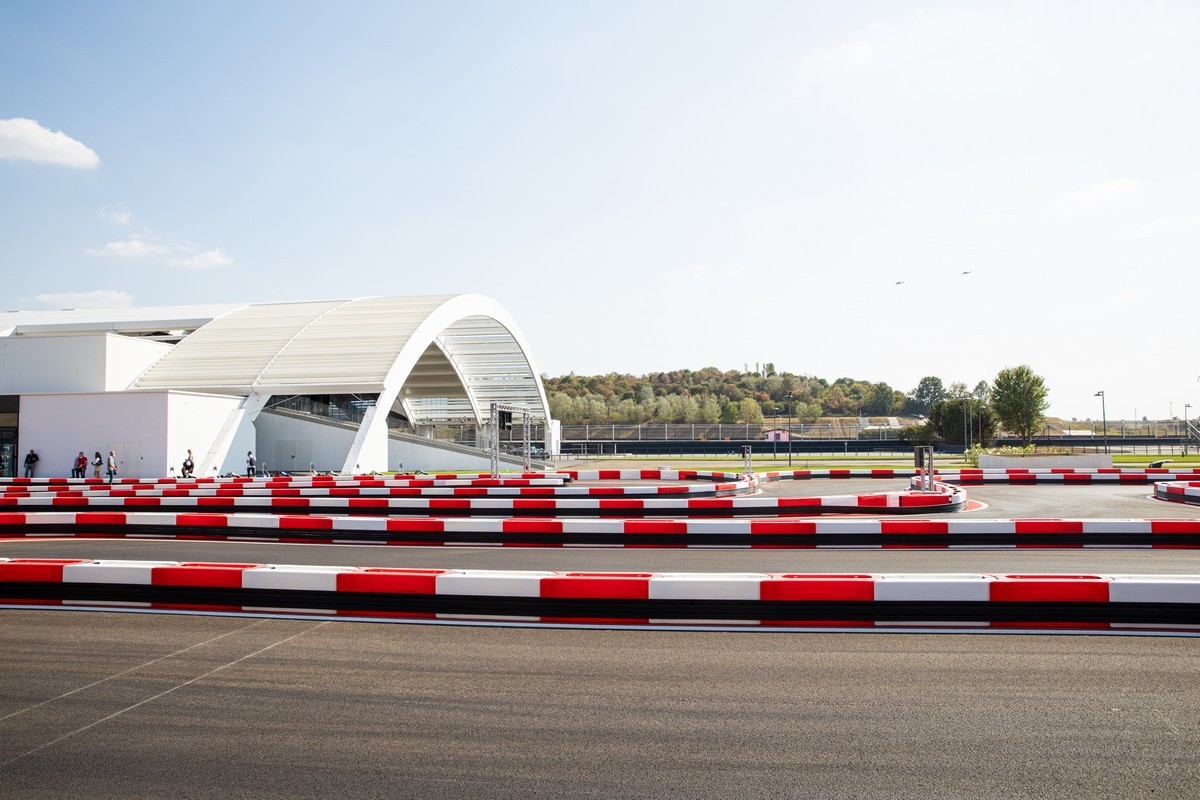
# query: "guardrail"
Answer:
x=767 y=600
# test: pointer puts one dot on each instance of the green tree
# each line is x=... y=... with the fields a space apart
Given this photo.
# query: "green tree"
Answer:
x=750 y=411
x=949 y=419
x=929 y=391
x=880 y=402
x=1019 y=398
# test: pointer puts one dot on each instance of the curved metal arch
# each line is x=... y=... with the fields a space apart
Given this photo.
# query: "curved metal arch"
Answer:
x=440 y=319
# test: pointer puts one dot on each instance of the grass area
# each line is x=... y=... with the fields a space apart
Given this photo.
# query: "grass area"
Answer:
x=1142 y=459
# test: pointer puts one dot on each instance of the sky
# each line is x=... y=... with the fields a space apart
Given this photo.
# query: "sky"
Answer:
x=875 y=190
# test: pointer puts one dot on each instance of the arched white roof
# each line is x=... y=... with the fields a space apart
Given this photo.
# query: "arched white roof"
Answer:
x=443 y=357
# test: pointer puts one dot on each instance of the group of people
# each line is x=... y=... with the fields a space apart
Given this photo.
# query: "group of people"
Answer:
x=80 y=465
x=79 y=468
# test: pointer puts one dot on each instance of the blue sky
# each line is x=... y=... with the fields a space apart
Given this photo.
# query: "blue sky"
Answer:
x=644 y=185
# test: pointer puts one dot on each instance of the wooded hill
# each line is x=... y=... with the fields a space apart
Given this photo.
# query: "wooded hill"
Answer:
x=711 y=395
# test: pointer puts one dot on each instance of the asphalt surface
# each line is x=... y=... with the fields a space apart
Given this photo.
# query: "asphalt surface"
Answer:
x=103 y=705
x=111 y=705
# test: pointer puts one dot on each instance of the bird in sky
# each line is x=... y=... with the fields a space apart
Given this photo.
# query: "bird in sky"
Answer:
x=967 y=271
x=899 y=282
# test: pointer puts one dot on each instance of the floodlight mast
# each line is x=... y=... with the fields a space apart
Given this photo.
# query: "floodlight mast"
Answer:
x=494 y=434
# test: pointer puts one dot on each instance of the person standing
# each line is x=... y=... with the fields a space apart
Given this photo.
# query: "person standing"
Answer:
x=249 y=463
x=97 y=463
x=112 y=466
x=31 y=459
x=81 y=462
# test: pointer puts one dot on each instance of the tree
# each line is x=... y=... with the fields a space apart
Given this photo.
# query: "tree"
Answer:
x=880 y=402
x=1019 y=398
x=929 y=391
x=949 y=419
x=750 y=411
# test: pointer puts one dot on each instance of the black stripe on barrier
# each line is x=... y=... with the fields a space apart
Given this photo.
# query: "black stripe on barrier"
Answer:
x=595 y=608
x=796 y=540
x=764 y=512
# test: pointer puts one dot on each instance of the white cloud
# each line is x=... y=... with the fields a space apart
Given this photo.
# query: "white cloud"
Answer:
x=118 y=214
x=206 y=260
x=26 y=140
x=133 y=247
x=1103 y=192
x=1166 y=224
x=850 y=55
x=101 y=298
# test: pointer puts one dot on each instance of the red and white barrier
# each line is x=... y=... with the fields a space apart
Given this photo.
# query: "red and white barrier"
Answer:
x=1179 y=492
x=968 y=601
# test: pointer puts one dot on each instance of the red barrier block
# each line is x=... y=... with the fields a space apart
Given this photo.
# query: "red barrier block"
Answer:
x=12 y=519
x=768 y=526
x=1174 y=526
x=816 y=586
x=532 y=526
x=390 y=581
x=923 y=500
x=100 y=518
x=1035 y=526
x=872 y=501
x=289 y=502
x=448 y=503
x=621 y=504
x=367 y=502
x=636 y=526
x=143 y=502
x=545 y=505
x=294 y=523
x=608 y=585
x=799 y=502
x=898 y=526
x=201 y=573
x=1049 y=589
x=36 y=570
x=201 y=520
x=415 y=525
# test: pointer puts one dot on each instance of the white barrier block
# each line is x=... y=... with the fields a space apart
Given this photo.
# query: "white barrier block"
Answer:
x=50 y=518
x=265 y=521
x=131 y=572
x=593 y=526
x=849 y=526
x=1154 y=589
x=360 y=524
x=705 y=526
x=932 y=586
x=706 y=586
x=293 y=576
x=981 y=526
x=1116 y=526
x=151 y=518
x=492 y=583
x=472 y=525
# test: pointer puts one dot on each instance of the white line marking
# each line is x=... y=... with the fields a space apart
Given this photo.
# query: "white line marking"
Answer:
x=131 y=669
x=155 y=697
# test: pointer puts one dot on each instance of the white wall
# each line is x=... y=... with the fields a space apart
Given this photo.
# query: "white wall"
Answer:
x=58 y=426
x=327 y=443
x=81 y=363
x=151 y=431
x=128 y=358
x=195 y=422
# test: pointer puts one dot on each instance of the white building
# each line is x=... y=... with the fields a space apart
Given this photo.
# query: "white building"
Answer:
x=345 y=385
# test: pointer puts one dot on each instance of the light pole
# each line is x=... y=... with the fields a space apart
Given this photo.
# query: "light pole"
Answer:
x=1186 y=430
x=775 y=436
x=789 y=399
x=1103 y=418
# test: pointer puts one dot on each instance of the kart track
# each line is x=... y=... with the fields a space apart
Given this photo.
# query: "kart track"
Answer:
x=622 y=669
